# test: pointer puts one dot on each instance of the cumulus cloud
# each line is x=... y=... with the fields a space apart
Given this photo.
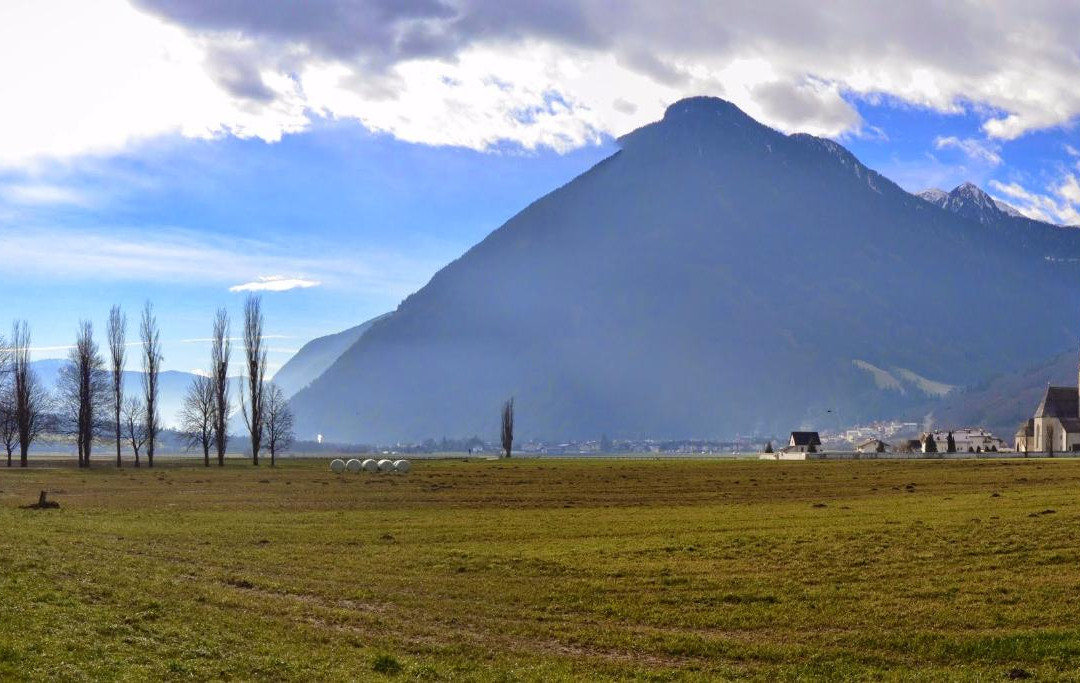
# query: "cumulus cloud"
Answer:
x=976 y=150
x=1060 y=205
x=275 y=283
x=479 y=73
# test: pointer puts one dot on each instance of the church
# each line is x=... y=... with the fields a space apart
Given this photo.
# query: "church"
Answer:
x=1056 y=424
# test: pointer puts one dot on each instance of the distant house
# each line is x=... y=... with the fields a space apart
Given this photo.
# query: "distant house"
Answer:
x=873 y=446
x=1025 y=437
x=969 y=440
x=910 y=446
x=803 y=442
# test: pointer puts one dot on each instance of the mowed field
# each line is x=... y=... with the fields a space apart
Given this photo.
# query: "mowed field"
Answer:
x=544 y=570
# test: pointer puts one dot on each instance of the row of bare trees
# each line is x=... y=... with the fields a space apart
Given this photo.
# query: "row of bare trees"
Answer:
x=91 y=401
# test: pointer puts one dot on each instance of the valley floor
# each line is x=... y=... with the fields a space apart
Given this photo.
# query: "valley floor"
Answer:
x=542 y=570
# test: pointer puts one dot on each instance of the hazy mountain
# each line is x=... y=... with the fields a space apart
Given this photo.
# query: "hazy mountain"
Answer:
x=316 y=356
x=172 y=386
x=1006 y=400
x=969 y=201
x=712 y=277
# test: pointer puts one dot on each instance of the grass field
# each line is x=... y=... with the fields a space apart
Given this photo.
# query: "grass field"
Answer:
x=541 y=570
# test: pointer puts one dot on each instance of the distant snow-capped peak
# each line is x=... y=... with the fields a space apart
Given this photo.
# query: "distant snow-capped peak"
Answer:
x=970 y=201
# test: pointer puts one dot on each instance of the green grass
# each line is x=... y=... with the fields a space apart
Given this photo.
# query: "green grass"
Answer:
x=544 y=570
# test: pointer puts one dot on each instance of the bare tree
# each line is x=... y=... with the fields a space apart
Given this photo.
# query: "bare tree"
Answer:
x=118 y=358
x=220 y=351
x=279 y=421
x=198 y=416
x=84 y=391
x=508 y=426
x=9 y=431
x=29 y=398
x=9 y=426
x=134 y=418
x=151 y=357
x=255 y=358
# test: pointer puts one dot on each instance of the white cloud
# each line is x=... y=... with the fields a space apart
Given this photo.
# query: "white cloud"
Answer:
x=976 y=150
x=96 y=77
x=34 y=194
x=1063 y=208
x=92 y=77
x=274 y=283
x=155 y=254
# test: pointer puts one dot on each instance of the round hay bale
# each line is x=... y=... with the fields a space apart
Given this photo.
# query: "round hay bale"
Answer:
x=353 y=465
x=402 y=466
x=370 y=465
x=337 y=465
x=386 y=465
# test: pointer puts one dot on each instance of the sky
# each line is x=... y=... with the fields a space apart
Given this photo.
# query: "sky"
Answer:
x=332 y=156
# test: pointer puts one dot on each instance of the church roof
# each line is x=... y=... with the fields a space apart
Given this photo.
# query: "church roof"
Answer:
x=1059 y=402
x=1026 y=428
x=1071 y=425
x=805 y=439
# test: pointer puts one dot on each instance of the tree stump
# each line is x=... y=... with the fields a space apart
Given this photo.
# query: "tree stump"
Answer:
x=42 y=504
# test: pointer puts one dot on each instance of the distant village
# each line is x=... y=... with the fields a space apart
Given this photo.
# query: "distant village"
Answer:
x=1053 y=428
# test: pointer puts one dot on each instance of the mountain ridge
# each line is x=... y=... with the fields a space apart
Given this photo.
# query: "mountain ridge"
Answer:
x=709 y=278
x=317 y=355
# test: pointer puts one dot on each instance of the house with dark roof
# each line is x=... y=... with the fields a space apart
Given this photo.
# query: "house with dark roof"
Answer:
x=803 y=442
x=1056 y=424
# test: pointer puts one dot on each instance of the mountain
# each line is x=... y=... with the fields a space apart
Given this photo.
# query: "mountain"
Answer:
x=712 y=277
x=1004 y=401
x=172 y=385
x=316 y=356
x=969 y=201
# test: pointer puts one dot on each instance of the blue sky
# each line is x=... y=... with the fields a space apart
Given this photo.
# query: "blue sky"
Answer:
x=334 y=156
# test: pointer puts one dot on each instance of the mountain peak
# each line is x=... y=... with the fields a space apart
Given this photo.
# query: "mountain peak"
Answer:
x=703 y=105
x=934 y=195
x=972 y=191
x=970 y=201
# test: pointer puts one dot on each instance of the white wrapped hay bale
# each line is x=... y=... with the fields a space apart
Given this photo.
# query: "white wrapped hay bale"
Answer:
x=353 y=465
x=370 y=465
x=386 y=465
x=337 y=465
x=402 y=466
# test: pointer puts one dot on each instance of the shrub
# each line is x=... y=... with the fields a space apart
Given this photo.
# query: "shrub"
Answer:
x=386 y=664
